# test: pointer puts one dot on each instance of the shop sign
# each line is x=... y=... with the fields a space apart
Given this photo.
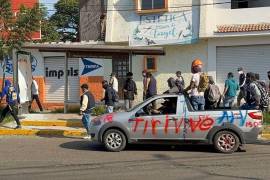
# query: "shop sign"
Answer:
x=91 y=67
x=168 y=28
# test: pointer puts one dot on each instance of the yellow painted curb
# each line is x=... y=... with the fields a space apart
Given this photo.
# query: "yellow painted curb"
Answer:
x=52 y=123
x=41 y=132
x=266 y=135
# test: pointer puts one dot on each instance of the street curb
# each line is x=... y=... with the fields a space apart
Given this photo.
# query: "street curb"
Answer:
x=41 y=132
x=266 y=135
x=65 y=123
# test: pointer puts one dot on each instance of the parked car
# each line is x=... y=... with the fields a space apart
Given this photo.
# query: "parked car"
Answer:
x=171 y=119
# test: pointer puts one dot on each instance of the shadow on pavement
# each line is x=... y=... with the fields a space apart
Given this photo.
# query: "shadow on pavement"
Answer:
x=86 y=145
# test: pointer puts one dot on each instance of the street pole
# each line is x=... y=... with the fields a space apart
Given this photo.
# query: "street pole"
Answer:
x=66 y=82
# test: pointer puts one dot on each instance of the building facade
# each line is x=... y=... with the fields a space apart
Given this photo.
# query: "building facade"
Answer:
x=225 y=35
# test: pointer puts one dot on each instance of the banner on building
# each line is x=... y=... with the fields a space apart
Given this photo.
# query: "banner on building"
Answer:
x=24 y=76
x=168 y=28
x=91 y=67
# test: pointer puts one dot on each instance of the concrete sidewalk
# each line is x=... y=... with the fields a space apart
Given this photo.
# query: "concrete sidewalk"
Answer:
x=60 y=125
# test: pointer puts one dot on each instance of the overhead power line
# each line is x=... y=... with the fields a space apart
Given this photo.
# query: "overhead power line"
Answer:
x=118 y=7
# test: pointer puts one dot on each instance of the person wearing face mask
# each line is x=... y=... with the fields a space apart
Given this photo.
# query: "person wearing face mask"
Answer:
x=242 y=83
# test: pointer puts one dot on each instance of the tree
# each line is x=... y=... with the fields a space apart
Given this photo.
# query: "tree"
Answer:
x=66 y=18
x=14 y=31
x=48 y=28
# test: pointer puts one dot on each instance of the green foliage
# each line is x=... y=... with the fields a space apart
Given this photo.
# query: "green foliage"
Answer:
x=66 y=19
x=99 y=110
x=266 y=118
x=14 y=31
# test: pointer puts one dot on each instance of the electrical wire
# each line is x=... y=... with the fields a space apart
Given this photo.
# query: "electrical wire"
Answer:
x=114 y=7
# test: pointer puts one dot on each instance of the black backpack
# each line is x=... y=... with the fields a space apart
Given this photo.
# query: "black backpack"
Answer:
x=264 y=95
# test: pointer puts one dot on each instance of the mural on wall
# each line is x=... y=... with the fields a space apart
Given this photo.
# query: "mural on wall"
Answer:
x=168 y=28
x=91 y=67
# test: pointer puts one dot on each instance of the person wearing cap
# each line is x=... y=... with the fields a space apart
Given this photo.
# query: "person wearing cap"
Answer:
x=114 y=82
x=130 y=90
x=87 y=104
x=242 y=83
x=196 y=96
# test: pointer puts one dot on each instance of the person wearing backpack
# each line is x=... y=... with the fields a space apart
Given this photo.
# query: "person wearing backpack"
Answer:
x=87 y=103
x=108 y=96
x=212 y=95
x=130 y=90
x=257 y=97
x=198 y=84
x=13 y=102
x=230 y=91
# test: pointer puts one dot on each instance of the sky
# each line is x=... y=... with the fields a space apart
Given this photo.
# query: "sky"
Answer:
x=49 y=4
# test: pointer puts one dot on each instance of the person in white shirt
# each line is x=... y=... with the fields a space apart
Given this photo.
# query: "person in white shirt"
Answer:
x=35 y=93
x=114 y=82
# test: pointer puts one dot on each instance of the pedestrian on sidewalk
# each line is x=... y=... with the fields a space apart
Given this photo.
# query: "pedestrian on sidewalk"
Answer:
x=13 y=103
x=114 y=82
x=144 y=83
x=130 y=91
x=87 y=104
x=108 y=96
x=35 y=95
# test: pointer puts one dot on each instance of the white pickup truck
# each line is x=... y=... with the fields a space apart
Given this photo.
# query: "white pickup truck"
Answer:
x=174 y=121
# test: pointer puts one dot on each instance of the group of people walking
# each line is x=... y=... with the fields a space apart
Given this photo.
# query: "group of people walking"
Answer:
x=202 y=91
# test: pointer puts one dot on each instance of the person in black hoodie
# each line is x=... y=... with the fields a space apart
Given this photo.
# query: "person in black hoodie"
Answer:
x=130 y=90
x=108 y=97
x=242 y=85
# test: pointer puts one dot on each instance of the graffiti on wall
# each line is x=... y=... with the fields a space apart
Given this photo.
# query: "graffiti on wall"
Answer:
x=167 y=28
x=9 y=64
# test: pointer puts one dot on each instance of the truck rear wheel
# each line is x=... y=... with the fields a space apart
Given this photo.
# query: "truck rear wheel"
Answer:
x=226 y=142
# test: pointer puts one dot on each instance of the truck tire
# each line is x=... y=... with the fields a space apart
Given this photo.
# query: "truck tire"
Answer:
x=114 y=140
x=226 y=142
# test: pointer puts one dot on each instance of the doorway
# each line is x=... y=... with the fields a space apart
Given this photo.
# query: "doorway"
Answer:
x=121 y=66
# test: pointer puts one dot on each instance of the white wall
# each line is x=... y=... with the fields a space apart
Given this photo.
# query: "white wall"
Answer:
x=118 y=24
x=222 y=14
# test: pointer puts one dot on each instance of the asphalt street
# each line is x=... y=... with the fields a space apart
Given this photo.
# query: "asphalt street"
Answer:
x=69 y=158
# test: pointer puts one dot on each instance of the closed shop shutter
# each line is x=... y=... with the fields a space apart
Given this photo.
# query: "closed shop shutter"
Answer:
x=255 y=58
x=54 y=79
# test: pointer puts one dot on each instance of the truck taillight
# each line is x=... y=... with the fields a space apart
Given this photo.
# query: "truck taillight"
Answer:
x=256 y=115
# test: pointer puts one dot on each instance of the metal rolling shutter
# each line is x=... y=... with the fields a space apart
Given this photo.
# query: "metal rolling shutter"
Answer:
x=255 y=58
x=55 y=83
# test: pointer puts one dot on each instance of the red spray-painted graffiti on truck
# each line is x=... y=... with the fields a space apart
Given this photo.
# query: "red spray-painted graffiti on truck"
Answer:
x=203 y=123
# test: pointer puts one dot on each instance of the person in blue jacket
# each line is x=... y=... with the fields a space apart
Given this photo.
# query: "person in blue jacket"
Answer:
x=12 y=100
